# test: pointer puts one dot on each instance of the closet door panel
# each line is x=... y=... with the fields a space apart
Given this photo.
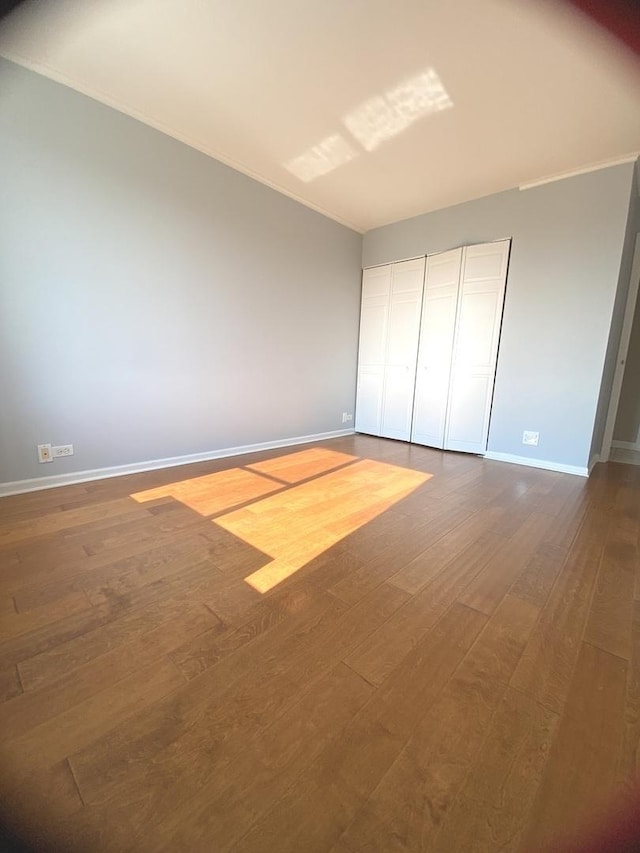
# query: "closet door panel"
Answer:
x=402 y=346
x=436 y=348
x=372 y=348
x=373 y=329
x=465 y=427
x=404 y=325
x=374 y=315
x=398 y=403
x=369 y=400
x=482 y=286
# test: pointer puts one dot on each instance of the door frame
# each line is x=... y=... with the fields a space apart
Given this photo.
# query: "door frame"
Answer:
x=623 y=350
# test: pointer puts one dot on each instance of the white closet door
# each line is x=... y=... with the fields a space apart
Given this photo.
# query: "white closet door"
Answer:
x=407 y=279
x=374 y=317
x=475 y=351
x=436 y=347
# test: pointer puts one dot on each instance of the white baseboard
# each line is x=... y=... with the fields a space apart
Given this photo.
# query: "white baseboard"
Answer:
x=627 y=457
x=593 y=462
x=18 y=487
x=580 y=471
x=626 y=445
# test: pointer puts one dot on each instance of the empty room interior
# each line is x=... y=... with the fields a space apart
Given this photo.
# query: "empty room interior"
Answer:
x=319 y=426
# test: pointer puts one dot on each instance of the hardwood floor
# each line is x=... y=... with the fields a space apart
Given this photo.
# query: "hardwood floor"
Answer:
x=449 y=662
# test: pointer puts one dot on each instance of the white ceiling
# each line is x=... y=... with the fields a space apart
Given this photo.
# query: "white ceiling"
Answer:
x=368 y=110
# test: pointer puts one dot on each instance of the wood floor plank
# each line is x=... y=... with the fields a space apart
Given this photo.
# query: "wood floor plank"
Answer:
x=38 y=806
x=290 y=743
x=492 y=811
x=546 y=667
x=629 y=764
x=60 y=736
x=302 y=465
x=427 y=565
x=277 y=758
x=343 y=776
x=97 y=769
x=295 y=526
x=16 y=624
x=20 y=566
x=153 y=567
x=385 y=650
x=198 y=579
x=56 y=522
x=131 y=515
x=10 y=685
x=210 y=706
x=136 y=633
x=580 y=773
x=200 y=653
x=127 y=533
x=52 y=697
x=7 y=607
x=213 y=493
x=540 y=573
x=552 y=495
x=47 y=636
x=459 y=670
x=413 y=797
x=610 y=617
x=390 y=557
x=568 y=520
x=42 y=574
x=491 y=584
x=32 y=504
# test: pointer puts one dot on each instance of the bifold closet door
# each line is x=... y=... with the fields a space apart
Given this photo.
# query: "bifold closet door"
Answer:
x=450 y=335
x=407 y=279
x=372 y=348
x=389 y=331
x=435 y=352
x=475 y=349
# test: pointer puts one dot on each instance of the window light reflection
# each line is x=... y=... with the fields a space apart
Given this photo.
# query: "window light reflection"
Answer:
x=322 y=158
x=384 y=116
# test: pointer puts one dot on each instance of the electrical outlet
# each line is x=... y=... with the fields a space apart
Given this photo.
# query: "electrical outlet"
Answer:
x=530 y=437
x=63 y=450
x=346 y=417
x=44 y=453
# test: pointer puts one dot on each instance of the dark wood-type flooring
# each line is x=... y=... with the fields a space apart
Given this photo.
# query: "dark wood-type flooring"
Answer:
x=460 y=673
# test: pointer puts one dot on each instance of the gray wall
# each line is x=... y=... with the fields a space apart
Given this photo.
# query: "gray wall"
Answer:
x=628 y=418
x=563 y=277
x=153 y=302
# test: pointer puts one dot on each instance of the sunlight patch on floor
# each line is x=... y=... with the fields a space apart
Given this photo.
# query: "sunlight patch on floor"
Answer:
x=302 y=465
x=213 y=493
x=297 y=525
x=322 y=496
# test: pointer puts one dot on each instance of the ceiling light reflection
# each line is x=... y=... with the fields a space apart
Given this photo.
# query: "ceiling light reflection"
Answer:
x=322 y=158
x=384 y=116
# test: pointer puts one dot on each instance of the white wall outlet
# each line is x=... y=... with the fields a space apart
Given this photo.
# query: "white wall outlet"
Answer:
x=530 y=437
x=44 y=453
x=63 y=450
x=346 y=417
